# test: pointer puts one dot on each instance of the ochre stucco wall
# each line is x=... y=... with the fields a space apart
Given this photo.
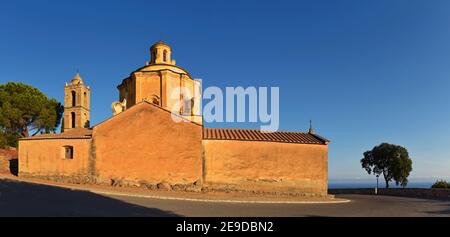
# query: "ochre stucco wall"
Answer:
x=266 y=166
x=144 y=144
x=45 y=157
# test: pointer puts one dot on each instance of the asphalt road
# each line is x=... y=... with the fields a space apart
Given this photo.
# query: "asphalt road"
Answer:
x=25 y=199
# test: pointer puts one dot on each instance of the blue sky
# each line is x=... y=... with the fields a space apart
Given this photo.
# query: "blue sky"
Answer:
x=365 y=72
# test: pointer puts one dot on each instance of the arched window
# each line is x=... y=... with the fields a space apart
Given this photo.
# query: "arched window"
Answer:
x=73 y=119
x=85 y=99
x=165 y=55
x=74 y=98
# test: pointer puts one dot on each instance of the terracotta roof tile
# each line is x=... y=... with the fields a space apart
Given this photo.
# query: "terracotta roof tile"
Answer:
x=257 y=135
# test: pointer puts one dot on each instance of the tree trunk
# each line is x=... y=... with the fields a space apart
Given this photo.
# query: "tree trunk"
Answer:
x=386 y=180
x=24 y=132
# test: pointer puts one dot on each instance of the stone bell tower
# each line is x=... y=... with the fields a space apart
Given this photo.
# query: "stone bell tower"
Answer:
x=76 y=104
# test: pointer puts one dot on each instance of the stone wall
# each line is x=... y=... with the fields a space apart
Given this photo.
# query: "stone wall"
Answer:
x=8 y=161
x=265 y=166
x=404 y=192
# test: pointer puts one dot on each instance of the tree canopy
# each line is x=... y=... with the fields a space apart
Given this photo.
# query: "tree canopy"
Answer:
x=391 y=161
x=24 y=110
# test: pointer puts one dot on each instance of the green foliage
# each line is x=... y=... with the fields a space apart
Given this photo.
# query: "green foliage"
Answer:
x=25 y=109
x=391 y=161
x=8 y=139
x=441 y=184
x=3 y=141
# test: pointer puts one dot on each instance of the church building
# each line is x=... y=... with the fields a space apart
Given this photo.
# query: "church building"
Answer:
x=141 y=145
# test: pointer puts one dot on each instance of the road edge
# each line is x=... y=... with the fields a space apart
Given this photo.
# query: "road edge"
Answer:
x=129 y=194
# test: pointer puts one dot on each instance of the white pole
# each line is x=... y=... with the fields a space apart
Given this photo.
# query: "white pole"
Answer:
x=376 y=188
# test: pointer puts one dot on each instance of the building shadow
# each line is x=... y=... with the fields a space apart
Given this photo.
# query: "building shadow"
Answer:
x=27 y=199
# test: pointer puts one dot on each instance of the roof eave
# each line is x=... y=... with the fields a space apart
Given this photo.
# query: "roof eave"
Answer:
x=324 y=140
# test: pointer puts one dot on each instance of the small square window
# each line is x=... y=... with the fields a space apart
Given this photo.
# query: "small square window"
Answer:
x=68 y=152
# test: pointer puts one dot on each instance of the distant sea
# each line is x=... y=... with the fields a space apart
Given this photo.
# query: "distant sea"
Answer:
x=365 y=184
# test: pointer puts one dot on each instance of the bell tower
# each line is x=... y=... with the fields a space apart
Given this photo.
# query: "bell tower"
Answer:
x=76 y=104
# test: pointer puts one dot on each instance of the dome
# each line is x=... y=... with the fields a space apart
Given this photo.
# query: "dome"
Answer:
x=77 y=79
x=160 y=43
